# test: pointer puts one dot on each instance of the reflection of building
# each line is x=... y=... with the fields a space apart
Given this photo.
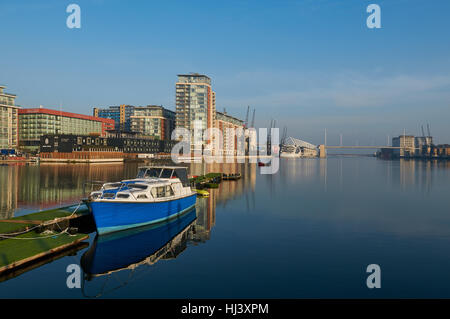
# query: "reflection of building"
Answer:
x=8 y=120
x=153 y=121
x=195 y=106
x=227 y=125
x=33 y=123
x=45 y=186
x=8 y=191
x=228 y=190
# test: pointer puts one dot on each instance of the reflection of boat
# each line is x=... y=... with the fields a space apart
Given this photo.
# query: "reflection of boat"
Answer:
x=130 y=248
x=157 y=194
x=231 y=177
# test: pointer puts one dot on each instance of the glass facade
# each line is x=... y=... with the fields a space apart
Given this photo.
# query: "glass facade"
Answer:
x=153 y=121
x=121 y=115
x=33 y=123
x=195 y=105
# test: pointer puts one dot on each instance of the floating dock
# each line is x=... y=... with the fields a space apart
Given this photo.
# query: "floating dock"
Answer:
x=35 y=239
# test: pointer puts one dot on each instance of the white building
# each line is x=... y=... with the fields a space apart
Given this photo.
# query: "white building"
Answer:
x=8 y=120
x=407 y=144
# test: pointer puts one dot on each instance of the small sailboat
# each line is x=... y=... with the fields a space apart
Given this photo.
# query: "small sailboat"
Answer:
x=159 y=193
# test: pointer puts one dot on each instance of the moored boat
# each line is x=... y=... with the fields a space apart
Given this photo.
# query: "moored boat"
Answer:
x=157 y=194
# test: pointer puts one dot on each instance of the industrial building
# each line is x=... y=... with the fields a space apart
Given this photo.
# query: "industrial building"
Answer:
x=89 y=147
x=415 y=147
x=8 y=120
x=407 y=144
x=34 y=123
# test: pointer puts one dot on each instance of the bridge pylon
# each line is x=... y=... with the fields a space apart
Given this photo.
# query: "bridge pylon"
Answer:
x=322 y=151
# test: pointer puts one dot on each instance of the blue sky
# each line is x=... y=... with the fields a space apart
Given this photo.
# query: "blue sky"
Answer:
x=311 y=64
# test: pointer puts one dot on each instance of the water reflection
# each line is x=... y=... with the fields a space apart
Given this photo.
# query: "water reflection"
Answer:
x=132 y=248
x=29 y=188
x=117 y=259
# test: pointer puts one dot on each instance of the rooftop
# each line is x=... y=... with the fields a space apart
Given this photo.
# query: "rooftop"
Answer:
x=194 y=75
x=227 y=115
x=66 y=114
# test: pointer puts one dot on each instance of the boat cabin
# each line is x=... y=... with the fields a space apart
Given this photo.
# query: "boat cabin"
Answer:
x=164 y=172
x=152 y=183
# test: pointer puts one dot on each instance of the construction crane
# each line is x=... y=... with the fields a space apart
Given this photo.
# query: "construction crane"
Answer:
x=246 y=117
x=253 y=119
x=428 y=129
x=423 y=132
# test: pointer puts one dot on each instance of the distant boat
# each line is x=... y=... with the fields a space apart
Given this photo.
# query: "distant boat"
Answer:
x=202 y=192
x=157 y=194
x=231 y=177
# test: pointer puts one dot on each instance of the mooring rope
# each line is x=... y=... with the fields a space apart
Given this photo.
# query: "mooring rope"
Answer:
x=13 y=235
x=35 y=238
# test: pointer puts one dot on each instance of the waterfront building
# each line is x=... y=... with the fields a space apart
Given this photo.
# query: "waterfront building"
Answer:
x=423 y=145
x=407 y=144
x=70 y=146
x=121 y=115
x=443 y=151
x=8 y=120
x=153 y=121
x=195 y=106
x=224 y=122
x=36 y=122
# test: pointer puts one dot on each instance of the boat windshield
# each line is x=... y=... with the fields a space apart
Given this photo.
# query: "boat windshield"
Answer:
x=181 y=173
x=167 y=173
x=149 y=172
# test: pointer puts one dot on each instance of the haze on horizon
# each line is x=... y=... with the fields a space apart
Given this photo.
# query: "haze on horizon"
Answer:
x=310 y=64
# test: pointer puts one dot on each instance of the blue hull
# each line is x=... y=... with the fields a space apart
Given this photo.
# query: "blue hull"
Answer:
x=112 y=251
x=115 y=216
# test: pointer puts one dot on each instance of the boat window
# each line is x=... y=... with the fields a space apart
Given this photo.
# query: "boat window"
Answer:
x=153 y=192
x=142 y=196
x=166 y=173
x=141 y=172
x=161 y=191
x=139 y=186
x=108 y=195
x=153 y=172
x=112 y=185
x=123 y=195
x=169 y=191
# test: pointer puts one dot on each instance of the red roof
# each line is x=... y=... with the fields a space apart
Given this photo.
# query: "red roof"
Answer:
x=66 y=114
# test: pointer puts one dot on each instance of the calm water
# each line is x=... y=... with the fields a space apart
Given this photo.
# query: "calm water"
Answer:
x=308 y=231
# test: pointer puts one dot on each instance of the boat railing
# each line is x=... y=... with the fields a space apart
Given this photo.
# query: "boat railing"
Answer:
x=91 y=184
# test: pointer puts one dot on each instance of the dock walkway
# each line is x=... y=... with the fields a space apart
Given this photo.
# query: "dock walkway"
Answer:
x=26 y=240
